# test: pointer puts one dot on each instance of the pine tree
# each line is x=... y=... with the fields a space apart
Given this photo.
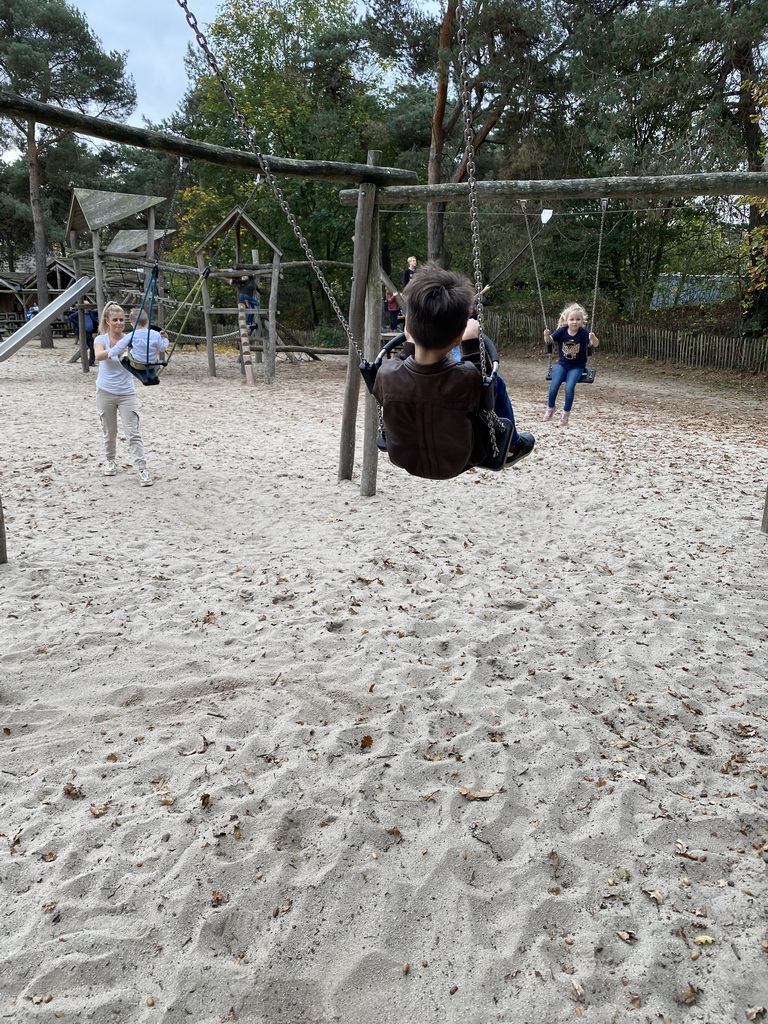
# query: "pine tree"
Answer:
x=48 y=53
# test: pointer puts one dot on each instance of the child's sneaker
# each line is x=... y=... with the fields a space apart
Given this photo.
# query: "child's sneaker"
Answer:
x=524 y=446
x=548 y=414
x=144 y=478
x=110 y=469
x=564 y=417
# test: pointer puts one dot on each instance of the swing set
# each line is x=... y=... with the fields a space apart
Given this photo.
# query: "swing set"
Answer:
x=381 y=186
x=589 y=372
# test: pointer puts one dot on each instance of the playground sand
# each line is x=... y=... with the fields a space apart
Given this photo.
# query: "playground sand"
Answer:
x=491 y=749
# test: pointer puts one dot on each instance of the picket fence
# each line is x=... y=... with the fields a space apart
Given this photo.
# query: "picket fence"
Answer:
x=513 y=330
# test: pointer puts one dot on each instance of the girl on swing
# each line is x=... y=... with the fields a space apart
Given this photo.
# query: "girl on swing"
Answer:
x=573 y=341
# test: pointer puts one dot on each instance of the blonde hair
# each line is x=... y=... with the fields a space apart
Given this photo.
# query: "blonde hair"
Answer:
x=573 y=308
x=106 y=313
x=139 y=317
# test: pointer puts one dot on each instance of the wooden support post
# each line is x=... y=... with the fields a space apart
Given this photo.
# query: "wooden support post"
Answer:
x=145 y=138
x=271 y=343
x=150 y=239
x=764 y=524
x=366 y=208
x=372 y=345
x=83 y=353
x=98 y=272
x=245 y=345
x=3 y=548
x=207 y=317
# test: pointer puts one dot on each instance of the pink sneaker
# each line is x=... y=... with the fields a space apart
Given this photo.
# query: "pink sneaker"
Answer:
x=549 y=414
x=564 y=417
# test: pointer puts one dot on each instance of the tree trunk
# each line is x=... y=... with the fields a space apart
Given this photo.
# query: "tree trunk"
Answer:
x=41 y=254
x=757 y=311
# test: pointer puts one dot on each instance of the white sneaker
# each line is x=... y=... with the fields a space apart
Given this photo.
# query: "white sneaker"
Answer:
x=110 y=469
x=145 y=479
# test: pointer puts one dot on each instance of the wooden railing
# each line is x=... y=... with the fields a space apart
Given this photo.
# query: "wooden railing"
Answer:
x=518 y=330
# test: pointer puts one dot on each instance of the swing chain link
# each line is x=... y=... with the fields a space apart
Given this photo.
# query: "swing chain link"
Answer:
x=593 y=318
x=469 y=137
x=183 y=164
x=268 y=175
x=524 y=205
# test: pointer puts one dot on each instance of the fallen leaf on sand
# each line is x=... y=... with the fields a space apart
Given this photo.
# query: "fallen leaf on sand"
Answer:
x=477 y=794
x=655 y=895
x=366 y=742
x=688 y=995
x=98 y=810
x=72 y=791
x=681 y=850
x=629 y=937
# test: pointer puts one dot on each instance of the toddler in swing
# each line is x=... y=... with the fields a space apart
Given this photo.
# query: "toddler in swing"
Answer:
x=144 y=345
x=573 y=340
x=428 y=400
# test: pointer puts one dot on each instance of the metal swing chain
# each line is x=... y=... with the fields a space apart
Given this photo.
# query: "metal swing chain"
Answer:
x=523 y=203
x=604 y=204
x=469 y=136
x=183 y=164
x=268 y=175
x=494 y=424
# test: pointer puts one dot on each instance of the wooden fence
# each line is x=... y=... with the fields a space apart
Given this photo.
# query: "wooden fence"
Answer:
x=518 y=330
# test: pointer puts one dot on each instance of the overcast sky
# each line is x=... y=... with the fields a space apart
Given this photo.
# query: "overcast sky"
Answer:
x=155 y=34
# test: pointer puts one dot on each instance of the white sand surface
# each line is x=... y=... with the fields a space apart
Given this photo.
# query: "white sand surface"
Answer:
x=244 y=711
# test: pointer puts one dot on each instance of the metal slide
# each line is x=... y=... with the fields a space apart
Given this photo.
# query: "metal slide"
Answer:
x=46 y=316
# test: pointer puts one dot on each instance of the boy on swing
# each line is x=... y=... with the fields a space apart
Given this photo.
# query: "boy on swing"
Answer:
x=429 y=401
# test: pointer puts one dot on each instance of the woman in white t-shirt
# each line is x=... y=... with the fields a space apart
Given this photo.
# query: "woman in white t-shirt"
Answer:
x=116 y=393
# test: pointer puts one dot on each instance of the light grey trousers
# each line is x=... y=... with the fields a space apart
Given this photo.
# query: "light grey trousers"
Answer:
x=108 y=406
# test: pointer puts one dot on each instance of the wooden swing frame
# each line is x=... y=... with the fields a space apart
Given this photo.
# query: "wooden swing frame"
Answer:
x=382 y=186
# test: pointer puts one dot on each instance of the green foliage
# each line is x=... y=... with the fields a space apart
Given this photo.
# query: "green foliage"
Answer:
x=48 y=53
x=300 y=82
x=15 y=216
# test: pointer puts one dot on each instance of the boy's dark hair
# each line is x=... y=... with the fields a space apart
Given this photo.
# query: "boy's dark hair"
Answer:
x=439 y=303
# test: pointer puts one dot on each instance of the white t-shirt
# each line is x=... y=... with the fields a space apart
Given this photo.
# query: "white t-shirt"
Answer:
x=113 y=376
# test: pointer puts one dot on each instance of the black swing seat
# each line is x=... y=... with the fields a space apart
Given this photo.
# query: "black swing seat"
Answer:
x=588 y=375
x=147 y=379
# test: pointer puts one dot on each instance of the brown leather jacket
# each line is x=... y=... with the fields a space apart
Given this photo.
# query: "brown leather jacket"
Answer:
x=428 y=412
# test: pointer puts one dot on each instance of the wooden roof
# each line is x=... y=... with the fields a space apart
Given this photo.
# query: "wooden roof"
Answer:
x=91 y=209
x=135 y=240
x=236 y=220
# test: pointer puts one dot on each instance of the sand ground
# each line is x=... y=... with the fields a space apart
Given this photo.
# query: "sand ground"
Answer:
x=490 y=749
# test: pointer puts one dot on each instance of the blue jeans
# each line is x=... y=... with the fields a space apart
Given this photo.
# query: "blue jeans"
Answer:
x=250 y=303
x=501 y=403
x=571 y=375
x=503 y=407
